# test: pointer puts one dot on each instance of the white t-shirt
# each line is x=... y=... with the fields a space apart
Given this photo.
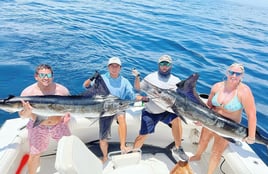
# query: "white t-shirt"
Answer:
x=155 y=105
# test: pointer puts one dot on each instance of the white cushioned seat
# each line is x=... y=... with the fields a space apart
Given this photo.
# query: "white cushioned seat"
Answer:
x=73 y=157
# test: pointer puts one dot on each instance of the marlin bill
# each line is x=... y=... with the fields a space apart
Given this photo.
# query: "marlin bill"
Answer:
x=186 y=103
x=93 y=103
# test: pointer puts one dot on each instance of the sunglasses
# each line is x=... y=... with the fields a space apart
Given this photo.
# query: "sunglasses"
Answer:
x=43 y=75
x=236 y=73
x=165 y=64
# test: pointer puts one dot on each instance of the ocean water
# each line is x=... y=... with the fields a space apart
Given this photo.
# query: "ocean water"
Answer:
x=77 y=37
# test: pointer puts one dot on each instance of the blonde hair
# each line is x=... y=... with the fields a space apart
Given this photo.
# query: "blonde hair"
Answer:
x=239 y=65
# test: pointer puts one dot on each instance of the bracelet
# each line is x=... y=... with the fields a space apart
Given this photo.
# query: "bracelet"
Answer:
x=250 y=139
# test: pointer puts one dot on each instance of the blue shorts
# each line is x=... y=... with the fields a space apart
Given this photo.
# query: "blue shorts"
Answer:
x=105 y=124
x=149 y=120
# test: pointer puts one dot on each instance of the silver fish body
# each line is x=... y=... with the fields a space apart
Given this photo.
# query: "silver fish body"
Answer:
x=77 y=106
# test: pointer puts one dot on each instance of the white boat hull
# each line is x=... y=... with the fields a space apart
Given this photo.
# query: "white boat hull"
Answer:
x=14 y=146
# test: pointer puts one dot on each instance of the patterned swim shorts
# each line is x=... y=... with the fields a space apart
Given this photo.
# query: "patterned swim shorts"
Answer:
x=39 y=136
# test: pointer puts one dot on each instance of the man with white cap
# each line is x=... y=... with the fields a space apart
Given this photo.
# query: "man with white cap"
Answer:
x=153 y=112
x=119 y=87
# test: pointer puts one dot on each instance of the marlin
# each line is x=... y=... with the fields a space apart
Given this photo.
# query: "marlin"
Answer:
x=186 y=102
x=94 y=103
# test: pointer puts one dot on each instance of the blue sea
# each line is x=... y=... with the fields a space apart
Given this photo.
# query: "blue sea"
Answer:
x=77 y=37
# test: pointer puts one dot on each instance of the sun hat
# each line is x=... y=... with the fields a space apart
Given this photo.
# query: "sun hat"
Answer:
x=165 y=58
x=114 y=60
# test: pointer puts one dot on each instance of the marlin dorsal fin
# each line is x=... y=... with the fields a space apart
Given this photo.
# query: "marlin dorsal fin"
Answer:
x=98 y=88
x=187 y=87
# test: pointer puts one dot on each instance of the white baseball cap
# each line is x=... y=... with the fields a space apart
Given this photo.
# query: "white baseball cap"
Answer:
x=165 y=58
x=114 y=60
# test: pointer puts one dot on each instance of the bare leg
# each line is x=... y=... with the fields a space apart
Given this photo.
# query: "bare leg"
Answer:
x=104 y=149
x=205 y=137
x=33 y=163
x=219 y=146
x=177 y=131
x=139 y=141
x=122 y=132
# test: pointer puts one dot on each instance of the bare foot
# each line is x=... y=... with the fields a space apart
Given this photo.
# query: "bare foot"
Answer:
x=125 y=149
x=104 y=159
x=195 y=158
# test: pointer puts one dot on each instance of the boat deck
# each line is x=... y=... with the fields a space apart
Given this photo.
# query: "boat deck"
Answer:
x=160 y=150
